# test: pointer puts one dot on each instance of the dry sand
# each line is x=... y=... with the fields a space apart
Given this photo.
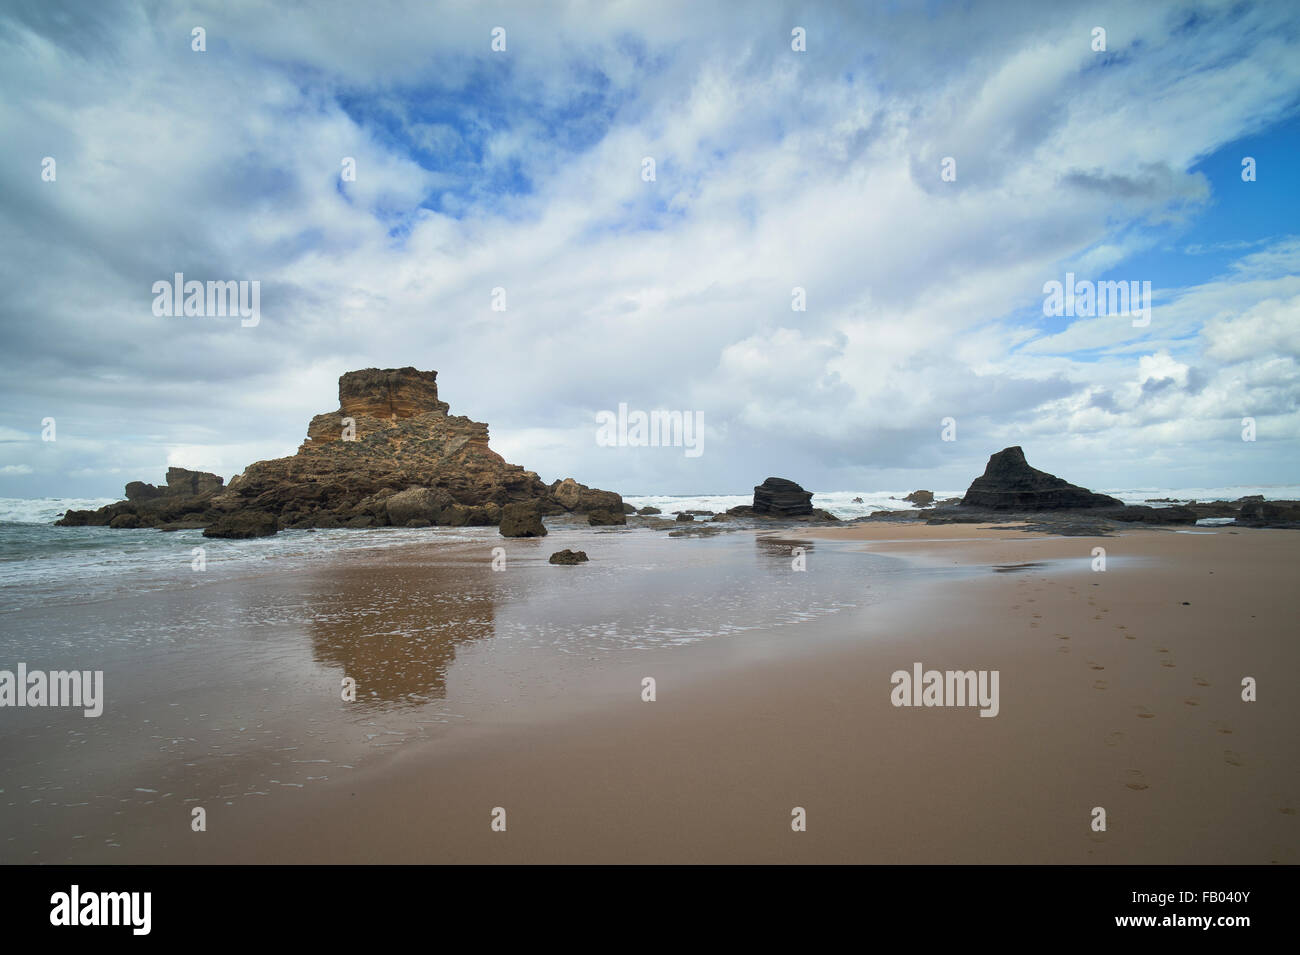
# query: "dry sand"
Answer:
x=1119 y=690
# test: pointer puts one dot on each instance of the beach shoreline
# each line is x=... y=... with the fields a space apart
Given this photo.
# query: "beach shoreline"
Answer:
x=1119 y=689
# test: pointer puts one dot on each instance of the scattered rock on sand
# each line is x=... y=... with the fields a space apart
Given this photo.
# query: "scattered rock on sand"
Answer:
x=521 y=520
x=567 y=556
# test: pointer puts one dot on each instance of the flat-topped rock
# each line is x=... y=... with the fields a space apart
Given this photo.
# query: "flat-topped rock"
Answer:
x=780 y=497
x=391 y=455
x=389 y=393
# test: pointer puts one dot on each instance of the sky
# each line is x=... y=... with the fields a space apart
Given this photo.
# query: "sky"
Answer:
x=524 y=169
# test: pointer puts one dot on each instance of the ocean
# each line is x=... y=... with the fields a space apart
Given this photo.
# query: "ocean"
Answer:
x=40 y=563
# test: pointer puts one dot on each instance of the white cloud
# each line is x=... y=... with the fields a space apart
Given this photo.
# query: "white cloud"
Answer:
x=775 y=170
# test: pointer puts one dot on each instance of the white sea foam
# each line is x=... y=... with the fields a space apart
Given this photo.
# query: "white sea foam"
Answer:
x=45 y=510
x=841 y=503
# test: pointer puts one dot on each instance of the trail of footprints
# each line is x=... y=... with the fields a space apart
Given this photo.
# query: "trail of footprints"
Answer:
x=1134 y=778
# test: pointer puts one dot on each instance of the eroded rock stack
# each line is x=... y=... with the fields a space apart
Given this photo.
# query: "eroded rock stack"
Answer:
x=1009 y=483
x=392 y=454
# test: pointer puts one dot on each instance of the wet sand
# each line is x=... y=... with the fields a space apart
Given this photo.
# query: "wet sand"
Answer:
x=1118 y=689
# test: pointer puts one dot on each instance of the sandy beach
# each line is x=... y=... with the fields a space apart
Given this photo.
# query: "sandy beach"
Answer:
x=1119 y=689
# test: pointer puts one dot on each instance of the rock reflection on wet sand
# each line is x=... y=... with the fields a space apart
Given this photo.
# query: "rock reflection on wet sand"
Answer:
x=397 y=633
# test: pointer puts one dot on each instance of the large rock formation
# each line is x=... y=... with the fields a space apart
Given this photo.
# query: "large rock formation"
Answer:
x=390 y=455
x=781 y=498
x=1009 y=483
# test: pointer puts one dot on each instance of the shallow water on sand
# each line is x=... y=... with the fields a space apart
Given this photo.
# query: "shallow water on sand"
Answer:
x=226 y=684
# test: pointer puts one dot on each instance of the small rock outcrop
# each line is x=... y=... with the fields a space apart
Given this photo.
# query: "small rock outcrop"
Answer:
x=521 y=520
x=779 y=497
x=606 y=518
x=648 y=510
x=1139 y=514
x=181 y=482
x=188 y=500
x=569 y=495
x=1009 y=483
x=920 y=498
x=1260 y=513
x=567 y=556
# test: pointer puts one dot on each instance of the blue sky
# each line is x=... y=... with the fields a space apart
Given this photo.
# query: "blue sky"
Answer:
x=522 y=169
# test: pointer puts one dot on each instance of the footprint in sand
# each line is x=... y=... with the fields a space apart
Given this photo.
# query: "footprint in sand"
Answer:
x=1162 y=650
x=1129 y=636
x=1136 y=782
x=1115 y=738
x=1192 y=701
x=1231 y=758
x=1168 y=663
x=1038 y=616
x=1098 y=617
x=1224 y=728
x=1145 y=714
x=1099 y=684
x=1061 y=636
x=1095 y=666
x=1200 y=681
x=1062 y=649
